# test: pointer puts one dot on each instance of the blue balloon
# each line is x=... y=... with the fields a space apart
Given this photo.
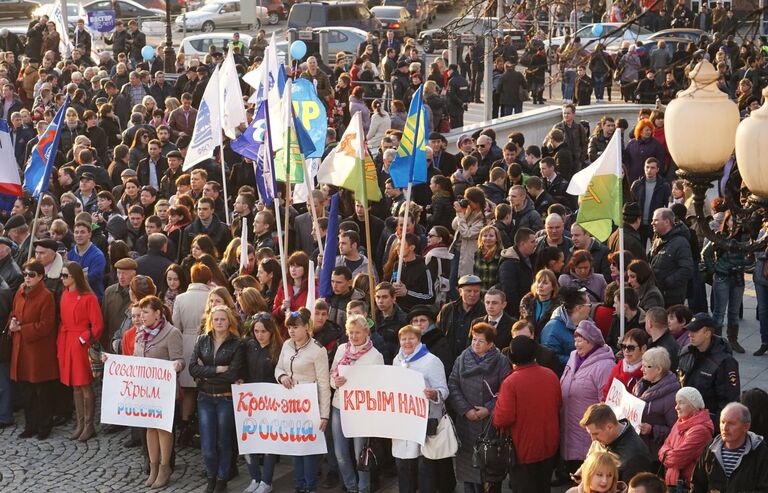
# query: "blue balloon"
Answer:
x=148 y=53
x=298 y=49
x=597 y=30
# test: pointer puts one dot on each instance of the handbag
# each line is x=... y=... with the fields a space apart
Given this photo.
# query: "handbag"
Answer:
x=444 y=125
x=523 y=94
x=444 y=443
x=493 y=454
x=94 y=356
x=367 y=461
x=6 y=344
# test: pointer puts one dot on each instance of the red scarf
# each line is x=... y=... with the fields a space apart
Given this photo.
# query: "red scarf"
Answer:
x=350 y=357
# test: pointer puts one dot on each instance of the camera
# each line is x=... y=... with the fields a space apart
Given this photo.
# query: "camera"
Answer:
x=464 y=203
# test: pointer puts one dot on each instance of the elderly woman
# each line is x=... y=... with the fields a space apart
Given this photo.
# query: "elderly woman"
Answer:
x=32 y=328
x=640 y=277
x=557 y=334
x=584 y=377
x=412 y=470
x=580 y=274
x=358 y=351
x=688 y=437
x=629 y=370
x=678 y=317
x=538 y=305
x=157 y=338
x=473 y=385
x=657 y=389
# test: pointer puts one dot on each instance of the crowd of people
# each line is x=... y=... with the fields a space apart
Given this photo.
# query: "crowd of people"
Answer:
x=504 y=302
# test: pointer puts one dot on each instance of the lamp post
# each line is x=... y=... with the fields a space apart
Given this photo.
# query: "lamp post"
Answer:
x=702 y=128
x=169 y=54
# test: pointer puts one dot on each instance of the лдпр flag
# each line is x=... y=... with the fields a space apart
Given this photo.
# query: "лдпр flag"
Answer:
x=207 y=132
x=600 y=193
x=38 y=172
x=410 y=165
x=349 y=166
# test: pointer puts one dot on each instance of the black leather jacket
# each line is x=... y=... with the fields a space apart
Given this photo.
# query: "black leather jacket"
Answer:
x=231 y=353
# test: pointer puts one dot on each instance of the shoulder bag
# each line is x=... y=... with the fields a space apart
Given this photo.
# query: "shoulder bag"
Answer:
x=493 y=454
x=6 y=343
x=444 y=443
x=94 y=356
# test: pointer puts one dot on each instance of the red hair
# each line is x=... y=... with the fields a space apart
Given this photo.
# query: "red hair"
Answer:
x=645 y=122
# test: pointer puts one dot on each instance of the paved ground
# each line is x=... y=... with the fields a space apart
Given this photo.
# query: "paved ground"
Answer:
x=103 y=465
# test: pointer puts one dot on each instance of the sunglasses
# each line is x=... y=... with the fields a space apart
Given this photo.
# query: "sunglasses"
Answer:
x=64 y=275
x=262 y=316
x=30 y=274
x=627 y=347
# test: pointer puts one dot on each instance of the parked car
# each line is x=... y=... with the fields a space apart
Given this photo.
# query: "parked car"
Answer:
x=74 y=12
x=276 y=11
x=670 y=36
x=692 y=34
x=332 y=14
x=419 y=10
x=18 y=8
x=199 y=44
x=124 y=9
x=20 y=31
x=437 y=38
x=611 y=32
x=397 y=19
x=176 y=5
x=221 y=13
x=340 y=39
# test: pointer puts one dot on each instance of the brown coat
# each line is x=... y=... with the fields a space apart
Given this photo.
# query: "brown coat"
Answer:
x=166 y=345
x=179 y=124
x=34 y=347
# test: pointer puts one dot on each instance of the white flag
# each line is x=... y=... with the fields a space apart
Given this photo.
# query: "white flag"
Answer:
x=57 y=17
x=310 y=304
x=232 y=107
x=244 y=245
x=207 y=133
x=10 y=182
x=264 y=80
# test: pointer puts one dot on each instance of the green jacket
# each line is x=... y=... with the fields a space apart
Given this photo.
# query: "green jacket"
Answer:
x=718 y=261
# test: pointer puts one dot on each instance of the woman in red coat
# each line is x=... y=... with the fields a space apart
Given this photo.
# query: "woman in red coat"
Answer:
x=81 y=323
x=33 y=358
x=298 y=273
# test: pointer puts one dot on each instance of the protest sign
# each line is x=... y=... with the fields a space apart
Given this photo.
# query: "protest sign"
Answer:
x=625 y=405
x=383 y=401
x=102 y=21
x=139 y=392
x=270 y=419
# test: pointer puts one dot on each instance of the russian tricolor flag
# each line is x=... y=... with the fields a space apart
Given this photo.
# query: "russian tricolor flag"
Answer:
x=10 y=182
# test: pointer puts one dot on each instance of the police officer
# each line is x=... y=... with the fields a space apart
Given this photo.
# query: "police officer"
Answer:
x=707 y=364
x=458 y=96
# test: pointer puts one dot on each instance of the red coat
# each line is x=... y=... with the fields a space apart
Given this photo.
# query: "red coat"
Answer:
x=686 y=441
x=129 y=341
x=78 y=312
x=628 y=379
x=528 y=407
x=297 y=301
x=34 y=347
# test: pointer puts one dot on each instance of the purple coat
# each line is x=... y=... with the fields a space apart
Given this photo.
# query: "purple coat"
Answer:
x=659 y=409
x=581 y=389
x=635 y=154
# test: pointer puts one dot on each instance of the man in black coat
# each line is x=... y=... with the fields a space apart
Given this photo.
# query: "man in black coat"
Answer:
x=161 y=89
x=509 y=90
x=495 y=301
x=455 y=318
x=118 y=39
x=670 y=257
x=632 y=241
x=458 y=95
x=423 y=318
x=135 y=42
x=516 y=269
x=154 y=262
x=206 y=223
x=443 y=160
x=390 y=318
x=651 y=192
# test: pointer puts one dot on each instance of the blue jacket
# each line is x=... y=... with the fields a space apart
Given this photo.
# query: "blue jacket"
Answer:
x=557 y=335
x=93 y=263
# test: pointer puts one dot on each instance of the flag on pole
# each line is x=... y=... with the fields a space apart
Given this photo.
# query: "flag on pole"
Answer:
x=232 y=107
x=310 y=304
x=349 y=166
x=38 y=172
x=297 y=143
x=249 y=143
x=600 y=191
x=57 y=17
x=331 y=249
x=267 y=71
x=206 y=135
x=410 y=164
x=244 y=245
x=10 y=183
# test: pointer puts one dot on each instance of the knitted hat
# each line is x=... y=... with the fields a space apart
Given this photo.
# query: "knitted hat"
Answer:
x=589 y=331
x=693 y=397
x=522 y=350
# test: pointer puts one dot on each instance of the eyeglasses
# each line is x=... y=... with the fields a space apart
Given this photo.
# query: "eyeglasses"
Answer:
x=30 y=274
x=648 y=367
x=64 y=275
x=627 y=347
x=432 y=235
x=481 y=146
x=586 y=304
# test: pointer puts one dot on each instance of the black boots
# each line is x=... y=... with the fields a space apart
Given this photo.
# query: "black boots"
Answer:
x=733 y=336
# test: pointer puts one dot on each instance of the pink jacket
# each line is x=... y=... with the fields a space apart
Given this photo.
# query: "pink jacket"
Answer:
x=684 y=444
x=580 y=389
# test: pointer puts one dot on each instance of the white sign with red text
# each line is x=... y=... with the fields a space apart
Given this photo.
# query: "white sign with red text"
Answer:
x=383 y=401
x=625 y=405
x=138 y=392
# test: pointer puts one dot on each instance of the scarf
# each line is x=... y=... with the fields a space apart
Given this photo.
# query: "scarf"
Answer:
x=580 y=360
x=350 y=357
x=147 y=334
x=541 y=308
x=170 y=298
x=420 y=352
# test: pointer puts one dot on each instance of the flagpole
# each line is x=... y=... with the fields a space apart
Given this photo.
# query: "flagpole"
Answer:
x=34 y=225
x=405 y=228
x=312 y=209
x=368 y=247
x=621 y=281
x=287 y=194
x=268 y=158
x=221 y=154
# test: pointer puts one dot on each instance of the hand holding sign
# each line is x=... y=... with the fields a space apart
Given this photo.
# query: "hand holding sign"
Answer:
x=625 y=405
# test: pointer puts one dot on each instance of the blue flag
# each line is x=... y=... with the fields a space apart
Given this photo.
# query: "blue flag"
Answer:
x=250 y=141
x=38 y=172
x=311 y=112
x=410 y=164
x=331 y=249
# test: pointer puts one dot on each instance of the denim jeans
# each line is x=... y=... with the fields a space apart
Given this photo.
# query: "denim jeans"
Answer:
x=762 y=311
x=569 y=80
x=6 y=393
x=728 y=292
x=265 y=472
x=305 y=472
x=599 y=82
x=511 y=109
x=347 y=463
x=413 y=473
x=216 y=422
